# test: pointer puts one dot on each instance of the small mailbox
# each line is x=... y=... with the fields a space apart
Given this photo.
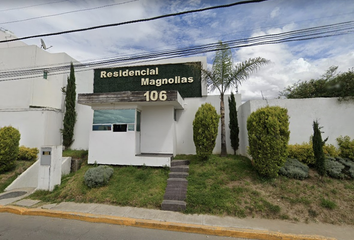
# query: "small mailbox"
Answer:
x=46 y=156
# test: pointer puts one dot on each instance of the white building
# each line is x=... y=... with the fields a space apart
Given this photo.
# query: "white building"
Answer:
x=34 y=104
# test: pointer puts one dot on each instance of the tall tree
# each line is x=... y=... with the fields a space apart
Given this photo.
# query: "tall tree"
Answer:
x=317 y=145
x=233 y=124
x=224 y=75
x=70 y=113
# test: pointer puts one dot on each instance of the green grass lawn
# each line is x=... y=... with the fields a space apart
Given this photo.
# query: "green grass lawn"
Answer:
x=128 y=186
x=213 y=188
x=220 y=186
x=231 y=186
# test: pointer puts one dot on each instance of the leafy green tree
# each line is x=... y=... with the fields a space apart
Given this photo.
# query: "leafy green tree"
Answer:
x=224 y=75
x=233 y=124
x=205 y=130
x=330 y=84
x=70 y=113
x=317 y=145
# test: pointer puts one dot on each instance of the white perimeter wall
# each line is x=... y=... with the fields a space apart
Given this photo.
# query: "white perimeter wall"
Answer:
x=37 y=127
x=335 y=117
x=184 y=127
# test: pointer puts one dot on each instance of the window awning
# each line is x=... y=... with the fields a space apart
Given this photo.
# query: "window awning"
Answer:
x=143 y=98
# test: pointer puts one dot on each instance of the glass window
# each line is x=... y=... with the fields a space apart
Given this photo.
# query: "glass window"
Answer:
x=130 y=127
x=114 y=116
x=101 y=127
x=119 y=127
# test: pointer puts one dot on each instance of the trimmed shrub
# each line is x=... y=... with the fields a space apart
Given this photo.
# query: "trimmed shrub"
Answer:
x=27 y=154
x=346 y=147
x=294 y=169
x=9 y=147
x=205 y=130
x=304 y=152
x=98 y=176
x=331 y=150
x=268 y=135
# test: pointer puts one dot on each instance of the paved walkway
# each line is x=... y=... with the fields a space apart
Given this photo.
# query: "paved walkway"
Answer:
x=248 y=228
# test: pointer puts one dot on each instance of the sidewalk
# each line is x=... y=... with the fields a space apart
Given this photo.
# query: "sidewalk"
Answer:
x=248 y=228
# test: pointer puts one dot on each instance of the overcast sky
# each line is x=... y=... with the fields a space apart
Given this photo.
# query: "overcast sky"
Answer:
x=290 y=62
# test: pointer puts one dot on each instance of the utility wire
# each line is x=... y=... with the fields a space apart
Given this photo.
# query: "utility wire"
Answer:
x=291 y=36
x=133 y=21
x=40 y=4
x=63 y=13
x=283 y=37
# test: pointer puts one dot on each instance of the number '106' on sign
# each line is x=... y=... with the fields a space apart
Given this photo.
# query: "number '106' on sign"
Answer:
x=155 y=95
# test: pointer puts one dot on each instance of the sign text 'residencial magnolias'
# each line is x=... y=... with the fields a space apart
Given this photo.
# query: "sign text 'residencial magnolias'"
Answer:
x=184 y=77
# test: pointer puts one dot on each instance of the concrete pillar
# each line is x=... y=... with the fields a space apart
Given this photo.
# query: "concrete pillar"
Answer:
x=49 y=172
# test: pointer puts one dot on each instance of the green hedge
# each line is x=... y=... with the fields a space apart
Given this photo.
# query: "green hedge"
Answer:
x=9 y=147
x=27 y=154
x=205 y=130
x=346 y=147
x=268 y=135
x=304 y=152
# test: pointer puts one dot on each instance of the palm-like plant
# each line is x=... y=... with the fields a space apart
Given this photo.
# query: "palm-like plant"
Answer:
x=224 y=75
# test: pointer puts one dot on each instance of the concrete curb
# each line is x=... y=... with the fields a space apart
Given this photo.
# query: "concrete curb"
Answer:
x=170 y=226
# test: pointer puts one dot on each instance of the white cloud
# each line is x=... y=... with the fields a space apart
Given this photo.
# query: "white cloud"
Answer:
x=275 y=12
x=290 y=62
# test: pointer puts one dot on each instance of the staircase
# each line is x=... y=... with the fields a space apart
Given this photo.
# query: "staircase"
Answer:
x=176 y=189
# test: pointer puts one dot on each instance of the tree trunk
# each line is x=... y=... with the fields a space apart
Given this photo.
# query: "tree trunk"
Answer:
x=223 y=135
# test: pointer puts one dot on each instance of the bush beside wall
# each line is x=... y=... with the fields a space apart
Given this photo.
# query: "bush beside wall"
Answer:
x=346 y=147
x=9 y=147
x=205 y=130
x=304 y=152
x=27 y=154
x=268 y=134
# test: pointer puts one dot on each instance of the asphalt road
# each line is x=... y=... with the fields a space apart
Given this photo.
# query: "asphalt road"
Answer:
x=17 y=227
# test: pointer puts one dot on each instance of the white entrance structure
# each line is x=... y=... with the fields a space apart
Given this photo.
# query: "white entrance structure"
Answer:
x=132 y=133
x=137 y=111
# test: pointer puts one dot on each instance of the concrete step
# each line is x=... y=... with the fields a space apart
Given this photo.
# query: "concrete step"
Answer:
x=173 y=205
x=176 y=190
x=177 y=197
x=177 y=182
x=178 y=175
x=179 y=162
x=182 y=180
x=179 y=169
x=176 y=187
